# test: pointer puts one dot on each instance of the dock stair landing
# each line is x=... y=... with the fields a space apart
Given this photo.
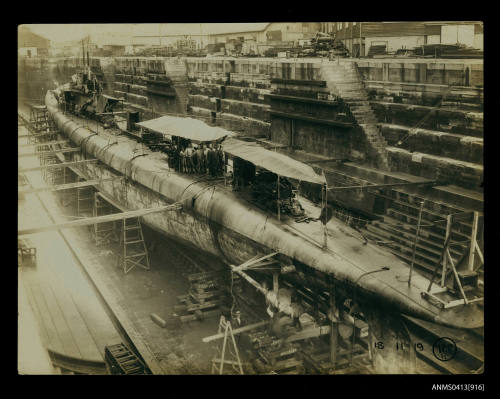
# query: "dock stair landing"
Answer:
x=344 y=81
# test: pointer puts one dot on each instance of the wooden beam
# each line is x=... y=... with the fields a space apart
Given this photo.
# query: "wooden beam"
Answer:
x=56 y=165
x=253 y=261
x=311 y=332
x=112 y=113
x=251 y=281
x=456 y=276
x=380 y=185
x=473 y=241
x=65 y=186
x=237 y=331
x=326 y=160
x=42 y=144
x=99 y=219
x=32 y=154
x=478 y=250
x=23 y=136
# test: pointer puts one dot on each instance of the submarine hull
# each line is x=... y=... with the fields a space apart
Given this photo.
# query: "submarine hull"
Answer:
x=217 y=221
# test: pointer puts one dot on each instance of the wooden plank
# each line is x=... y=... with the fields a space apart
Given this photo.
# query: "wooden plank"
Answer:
x=478 y=250
x=309 y=333
x=98 y=219
x=456 y=277
x=210 y=313
x=381 y=185
x=236 y=331
x=249 y=263
x=473 y=242
x=66 y=150
x=65 y=186
x=326 y=160
x=227 y=362
x=54 y=341
x=56 y=165
x=61 y=325
x=199 y=306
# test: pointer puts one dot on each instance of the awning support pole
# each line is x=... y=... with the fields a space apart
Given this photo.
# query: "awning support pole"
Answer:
x=278 y=201
x=325 y=207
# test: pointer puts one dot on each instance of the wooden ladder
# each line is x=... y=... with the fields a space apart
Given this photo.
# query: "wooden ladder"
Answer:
x=218 y=363
x=120 y=360
x=132 y=240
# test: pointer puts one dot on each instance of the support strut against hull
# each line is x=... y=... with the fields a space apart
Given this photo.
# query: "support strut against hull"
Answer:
x=56 y=165
x=66 y=186
x=99 y=219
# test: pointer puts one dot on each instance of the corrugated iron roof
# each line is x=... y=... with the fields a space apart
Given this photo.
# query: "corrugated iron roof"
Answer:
x=188 y=128
x=275 y=162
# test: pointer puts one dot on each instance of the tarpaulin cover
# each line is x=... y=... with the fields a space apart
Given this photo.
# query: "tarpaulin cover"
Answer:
x=275 y=162
x=188 y=128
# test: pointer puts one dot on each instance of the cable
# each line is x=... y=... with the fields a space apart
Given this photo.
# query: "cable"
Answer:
x=420 y=123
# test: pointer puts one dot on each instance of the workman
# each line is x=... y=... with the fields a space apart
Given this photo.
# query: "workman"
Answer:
x=220 y=160
x=189 y=158
x=182 y=161
x=175 y=157
x=212 y=161
x=205 y=157
x=200 y=157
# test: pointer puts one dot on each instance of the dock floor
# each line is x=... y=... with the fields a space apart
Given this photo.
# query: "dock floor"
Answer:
x=71 y=320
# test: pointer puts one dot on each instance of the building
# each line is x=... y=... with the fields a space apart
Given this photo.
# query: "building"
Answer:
x=360 y=37
x=267 y=32
x=234 y=37
x=256 y=38
x=176 y=36
x=32 y=45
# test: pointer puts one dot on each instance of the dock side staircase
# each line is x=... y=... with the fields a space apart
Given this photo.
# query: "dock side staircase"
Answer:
x=445 y=237
x=344 y=80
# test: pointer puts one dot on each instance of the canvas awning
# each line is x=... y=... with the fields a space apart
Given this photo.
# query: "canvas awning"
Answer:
x=187 y=128
x=275 y=162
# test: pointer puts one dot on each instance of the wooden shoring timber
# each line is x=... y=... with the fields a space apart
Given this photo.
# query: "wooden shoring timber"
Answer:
x=327 y=160
x=56 y=165
x=112 y=113
x=99 y=219
x=44 y=143
x=310 y=332
x=474 y=247
x=363 y=187
x=33 y=154
x=66 y=186
x=237 y=331
x=254 y=261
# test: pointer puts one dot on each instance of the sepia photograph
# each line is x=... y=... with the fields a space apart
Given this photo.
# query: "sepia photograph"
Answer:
x=250 y=198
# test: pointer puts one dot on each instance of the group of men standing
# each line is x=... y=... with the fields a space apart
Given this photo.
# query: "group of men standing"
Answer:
x=201 y=160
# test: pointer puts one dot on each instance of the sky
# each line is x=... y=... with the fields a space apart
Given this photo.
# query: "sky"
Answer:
x=57 y=33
